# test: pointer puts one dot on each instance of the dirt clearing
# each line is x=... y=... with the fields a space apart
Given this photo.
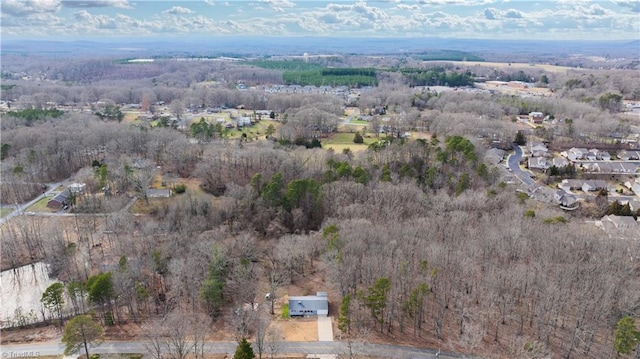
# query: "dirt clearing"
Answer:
x=298 y=330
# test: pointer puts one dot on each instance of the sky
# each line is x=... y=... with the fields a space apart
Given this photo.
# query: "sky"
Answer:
x=468 y=19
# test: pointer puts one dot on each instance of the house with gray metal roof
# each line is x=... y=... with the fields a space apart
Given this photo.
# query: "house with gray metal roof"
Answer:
x=60 y=200
x=309 y=305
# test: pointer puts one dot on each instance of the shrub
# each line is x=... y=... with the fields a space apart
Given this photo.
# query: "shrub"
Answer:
x=357 y=138
x=179 y=188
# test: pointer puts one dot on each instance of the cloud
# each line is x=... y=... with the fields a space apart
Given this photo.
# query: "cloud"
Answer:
x=178 y=10
x=408 y=7
x=491 y=13
x=87 y=19
x=370 y=12
x=633 y=5
x=29 y=7
x=455 y=2
x=278 y=4
x=124 y=4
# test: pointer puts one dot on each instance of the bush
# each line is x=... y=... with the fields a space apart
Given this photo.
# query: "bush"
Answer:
x=530 y=213
x=179 y=188
x=357 y=138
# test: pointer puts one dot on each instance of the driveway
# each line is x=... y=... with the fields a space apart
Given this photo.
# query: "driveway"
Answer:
x=325 y=329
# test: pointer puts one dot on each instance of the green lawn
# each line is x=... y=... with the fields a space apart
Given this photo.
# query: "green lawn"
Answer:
x=341 y=140
x=359 y=122
x=41 y=206
x=258 y=130
x=5 y=211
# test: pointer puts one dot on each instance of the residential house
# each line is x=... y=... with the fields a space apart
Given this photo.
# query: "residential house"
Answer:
x=613 y=167
x=158 y=193
x=309 y=305
x=629 y=155
x=536 y=117
x=570 y=184
x=576 y=153
x=537 y=149
x=494 y=155
x=244 y=121
x=597 y=155
x=619 y=221
x=77 y=188
x=539 y=163
x=560 y=162
x=60 y=200
x=565 y=200
x=635 y=187
x=594 y=185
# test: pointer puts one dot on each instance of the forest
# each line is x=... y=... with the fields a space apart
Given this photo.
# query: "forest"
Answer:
x=417 y=240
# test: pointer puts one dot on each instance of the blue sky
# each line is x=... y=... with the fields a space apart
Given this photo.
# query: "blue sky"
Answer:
x=473 y=19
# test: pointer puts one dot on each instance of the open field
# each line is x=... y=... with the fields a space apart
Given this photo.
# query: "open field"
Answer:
x=298 y=330
x=341 y=140
x=41 y=206
x=514 y=65
x=5 y=211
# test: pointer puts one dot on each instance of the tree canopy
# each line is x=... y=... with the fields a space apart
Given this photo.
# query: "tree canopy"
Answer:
x=81 y=331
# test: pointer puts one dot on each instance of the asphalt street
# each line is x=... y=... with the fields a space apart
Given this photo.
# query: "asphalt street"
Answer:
x=380 y=350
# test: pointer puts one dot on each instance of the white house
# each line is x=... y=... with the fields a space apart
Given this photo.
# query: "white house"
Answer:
x=570 y=184
x=537 y=149
x=576 y=153
x=629 y=155
x=77 y=187
x=620 y=221
x=594 y=185
x=539 y=163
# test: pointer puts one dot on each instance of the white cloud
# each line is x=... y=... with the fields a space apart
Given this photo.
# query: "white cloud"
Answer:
x=28 y=7
x=408 y=7
x=491 y=13
x=455 y=2
x=91 y=21
x=633 y=5
x=178 y=10
x=278 y=5
x=97 y=3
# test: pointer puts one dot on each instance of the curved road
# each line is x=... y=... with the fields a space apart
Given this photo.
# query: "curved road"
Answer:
x=514 y=166
x=21 y=207
x=380 y=350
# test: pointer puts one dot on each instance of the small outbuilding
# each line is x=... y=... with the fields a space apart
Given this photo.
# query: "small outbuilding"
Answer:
x=158 y=193
x=309 y=305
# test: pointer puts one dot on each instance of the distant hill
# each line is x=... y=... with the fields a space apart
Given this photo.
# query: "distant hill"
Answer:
x=489 y=50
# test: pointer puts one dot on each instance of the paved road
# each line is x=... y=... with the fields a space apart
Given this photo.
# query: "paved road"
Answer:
x=381 y=350
x=514 y=164
x=21 y=207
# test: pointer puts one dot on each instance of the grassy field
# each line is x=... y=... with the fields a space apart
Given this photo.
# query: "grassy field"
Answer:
x=5 y=211
x=41 y=206
x=341 y=140
x=258 y=130
x=515 y=65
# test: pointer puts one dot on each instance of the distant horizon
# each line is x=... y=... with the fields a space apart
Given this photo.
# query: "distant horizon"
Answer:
x=152 y=39
x=570 y=20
